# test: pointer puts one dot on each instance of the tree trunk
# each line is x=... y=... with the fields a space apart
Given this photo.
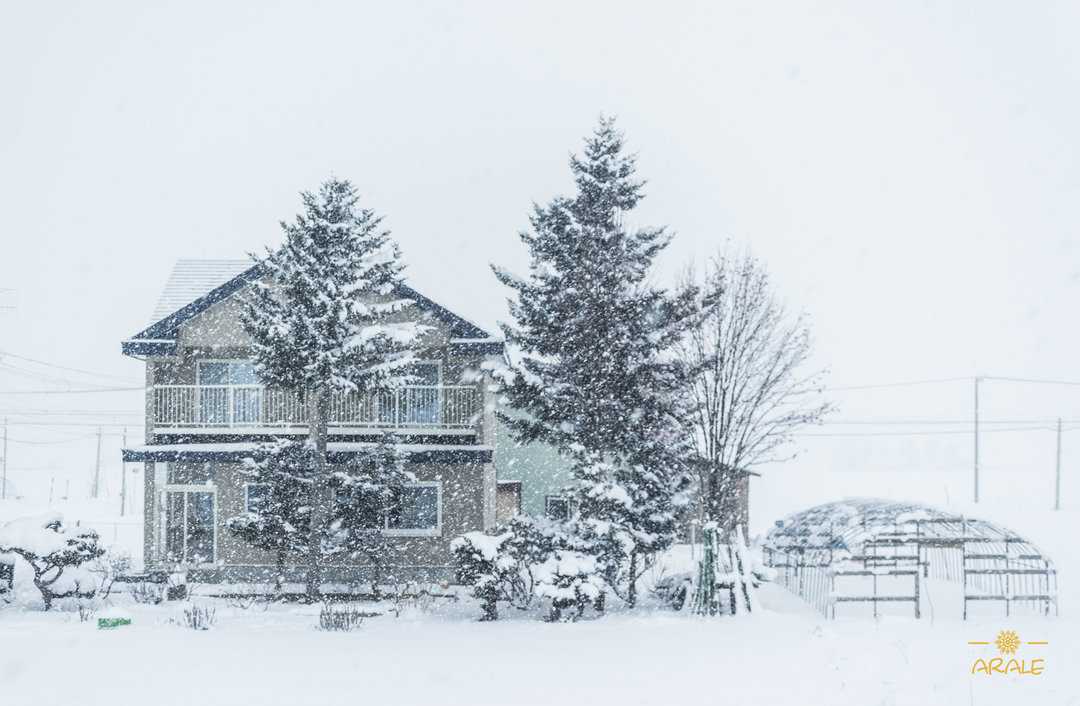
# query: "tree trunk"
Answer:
x=631 y=591
x=279 y=579
x=320 y=488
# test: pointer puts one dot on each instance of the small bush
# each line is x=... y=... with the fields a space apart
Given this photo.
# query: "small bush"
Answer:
x=341 y=617
x=673 y=591
x=147 y=593
x=199 y=617
x=568 y=579
x=504 y=567
x=86 y=612
x=248 y=601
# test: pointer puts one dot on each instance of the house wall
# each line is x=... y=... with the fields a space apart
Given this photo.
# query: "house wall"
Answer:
x=413 y=558
x=543 y=472
x=539 y=468
x=468 y=491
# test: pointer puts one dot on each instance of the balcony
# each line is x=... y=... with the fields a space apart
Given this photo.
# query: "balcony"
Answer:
x=233 y=409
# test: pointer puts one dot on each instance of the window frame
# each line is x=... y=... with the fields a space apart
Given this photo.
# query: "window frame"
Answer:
x=247 y=494
x=559 y=499
x=435 y=531
x=187 y=488
x=198 y=372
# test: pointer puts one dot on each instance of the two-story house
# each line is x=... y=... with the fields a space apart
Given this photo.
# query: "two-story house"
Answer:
x=206 y=411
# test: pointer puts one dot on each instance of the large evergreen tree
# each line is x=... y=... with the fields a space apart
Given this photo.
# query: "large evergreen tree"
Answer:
x=327 y=318
x=594 y=375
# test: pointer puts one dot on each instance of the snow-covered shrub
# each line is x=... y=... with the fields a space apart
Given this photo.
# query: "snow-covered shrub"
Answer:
x=112 y=564
x=87 y=611
x=247 y=601
x=568 y=579
x=56 y=555
x=199 y=617
x=484 y=563
x=341 y=617
x=414 y=597
x=502 y=567
x=673 y=590
x=147 y=592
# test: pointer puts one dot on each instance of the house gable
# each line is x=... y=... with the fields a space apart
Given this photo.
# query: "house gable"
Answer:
x=161 y=339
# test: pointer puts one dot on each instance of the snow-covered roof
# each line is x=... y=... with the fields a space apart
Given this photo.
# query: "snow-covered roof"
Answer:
x=195 y=285
x=192 y=279
x=847 y=525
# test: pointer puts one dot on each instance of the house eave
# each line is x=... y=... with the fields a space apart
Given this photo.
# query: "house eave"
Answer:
x=149 y=347
x=476 y=346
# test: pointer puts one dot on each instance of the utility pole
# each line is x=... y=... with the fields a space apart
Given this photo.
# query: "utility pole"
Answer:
x=97 y=467
x=977 y=438
x=1057 y=474
x=3 y=479
x=123 y=476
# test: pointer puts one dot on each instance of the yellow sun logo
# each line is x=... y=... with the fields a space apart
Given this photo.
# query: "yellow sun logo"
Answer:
x=1007 y=642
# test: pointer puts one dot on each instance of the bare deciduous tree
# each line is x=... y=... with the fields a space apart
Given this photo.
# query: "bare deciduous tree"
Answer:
x=749 y=391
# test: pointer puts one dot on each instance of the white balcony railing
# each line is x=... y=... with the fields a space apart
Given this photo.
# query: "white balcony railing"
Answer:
x=247 y=406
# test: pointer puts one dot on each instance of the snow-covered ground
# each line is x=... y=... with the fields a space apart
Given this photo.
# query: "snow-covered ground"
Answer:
x=786 y=654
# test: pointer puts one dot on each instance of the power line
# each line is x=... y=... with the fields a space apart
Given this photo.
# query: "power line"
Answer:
x=34 y=375
x=935 y=381
x=907 y=383
x=62 y=367
x=67 y=392
x=55 y=442
x=74 y=412
x=1034 y=381
x=951 y=432
x=95 y=425
x=891 y=422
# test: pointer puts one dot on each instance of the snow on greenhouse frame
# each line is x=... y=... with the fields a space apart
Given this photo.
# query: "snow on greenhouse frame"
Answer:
x=875 y=552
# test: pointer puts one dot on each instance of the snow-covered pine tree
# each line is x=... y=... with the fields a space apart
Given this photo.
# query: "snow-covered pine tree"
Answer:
x=368 y=488
x=594 y=375
x=281 y=521
x=327 y=317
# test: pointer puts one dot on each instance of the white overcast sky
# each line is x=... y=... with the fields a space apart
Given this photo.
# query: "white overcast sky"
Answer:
x=908 y=171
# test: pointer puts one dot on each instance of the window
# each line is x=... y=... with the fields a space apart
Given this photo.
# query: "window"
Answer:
x=416 y=511
x=227 y=372
x=229 y=392
x=557 y=507
x=256 y=496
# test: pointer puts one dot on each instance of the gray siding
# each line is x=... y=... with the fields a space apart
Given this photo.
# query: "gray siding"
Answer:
x=462 y=510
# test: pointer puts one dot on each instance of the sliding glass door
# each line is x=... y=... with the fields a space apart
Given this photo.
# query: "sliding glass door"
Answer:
x=190 y=531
